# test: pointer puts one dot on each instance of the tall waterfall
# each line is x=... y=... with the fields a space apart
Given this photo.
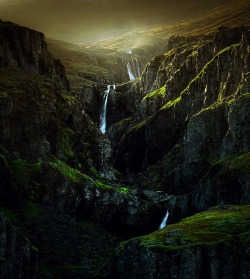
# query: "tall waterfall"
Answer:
x=103 y=115
x=164 y=221
x=131 y=76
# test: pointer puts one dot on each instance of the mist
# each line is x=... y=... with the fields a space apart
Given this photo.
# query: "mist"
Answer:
x=87 y=20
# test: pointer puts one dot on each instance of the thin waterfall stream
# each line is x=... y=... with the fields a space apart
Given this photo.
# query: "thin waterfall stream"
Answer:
x=164 y=221
x=131 y=76
x=103 y=116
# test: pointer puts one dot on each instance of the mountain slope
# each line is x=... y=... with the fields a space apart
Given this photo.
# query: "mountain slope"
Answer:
x=192 y=122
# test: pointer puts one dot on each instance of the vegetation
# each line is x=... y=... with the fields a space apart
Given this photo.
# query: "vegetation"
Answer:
x=212 y=227
x=239 y=164
x=158 y=92
x=66 y=139
x=70 y=173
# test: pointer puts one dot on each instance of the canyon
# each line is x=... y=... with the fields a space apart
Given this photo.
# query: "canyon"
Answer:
x=80 y=198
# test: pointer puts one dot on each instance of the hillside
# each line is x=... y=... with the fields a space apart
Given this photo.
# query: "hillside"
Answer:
x=79 y=203
x=233 y=14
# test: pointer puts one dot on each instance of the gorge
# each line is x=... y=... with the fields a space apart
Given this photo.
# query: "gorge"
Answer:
x=126 y=163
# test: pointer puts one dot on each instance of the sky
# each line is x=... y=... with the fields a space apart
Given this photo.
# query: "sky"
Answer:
x=87 y=20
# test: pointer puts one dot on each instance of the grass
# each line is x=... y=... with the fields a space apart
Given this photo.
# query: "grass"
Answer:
x=158 y=92
x=171 y=103
x=78 y=177
x=66 y=136
x=238 y=163
x=217 y=225
x=200 y=74
x=68 y=172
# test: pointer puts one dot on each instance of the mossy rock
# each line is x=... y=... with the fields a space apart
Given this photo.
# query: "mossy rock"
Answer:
x=218 y=225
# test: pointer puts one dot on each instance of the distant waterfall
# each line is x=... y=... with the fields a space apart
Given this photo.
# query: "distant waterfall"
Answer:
x=137 y=68
x=131 y=76
x=164 y=221
x=133 y=68
x=103 y=115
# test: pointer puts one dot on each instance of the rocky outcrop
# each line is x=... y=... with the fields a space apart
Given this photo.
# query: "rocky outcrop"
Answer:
x=203 y=246
x=167 y=113
x=17 y=256
x=184 y=136
x=25 y=49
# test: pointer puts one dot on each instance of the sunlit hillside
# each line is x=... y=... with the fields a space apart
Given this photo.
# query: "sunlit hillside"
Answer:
x=231 y=15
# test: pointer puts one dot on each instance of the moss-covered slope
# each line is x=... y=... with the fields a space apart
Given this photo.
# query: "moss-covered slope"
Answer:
x=211 y=244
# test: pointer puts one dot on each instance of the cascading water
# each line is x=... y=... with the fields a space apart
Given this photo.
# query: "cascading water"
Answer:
x=133 y=69
x=131 y=76
x=164 y=221
x=137 y=68
x=103 y=115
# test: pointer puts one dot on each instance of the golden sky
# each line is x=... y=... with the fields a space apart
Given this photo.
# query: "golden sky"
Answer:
x=80 y=20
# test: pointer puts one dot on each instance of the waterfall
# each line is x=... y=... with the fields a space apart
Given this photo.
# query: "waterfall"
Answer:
x=131 y=76
x=137 y=68
x=104 y=109
x=164 y=221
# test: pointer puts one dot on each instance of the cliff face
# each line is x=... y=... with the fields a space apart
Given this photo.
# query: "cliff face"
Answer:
x=18 y=257
x=206 y=245
x=50 y=153
x=25 y=49
x=183 y=146
x=192 y=120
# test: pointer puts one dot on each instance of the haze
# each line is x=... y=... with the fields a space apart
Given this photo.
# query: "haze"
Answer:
x=87 y=20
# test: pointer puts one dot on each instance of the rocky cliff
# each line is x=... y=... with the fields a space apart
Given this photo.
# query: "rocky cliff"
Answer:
x=180 y=141
x=17 y=256
x=207 y=245
x=50 y=150
x=191 y=126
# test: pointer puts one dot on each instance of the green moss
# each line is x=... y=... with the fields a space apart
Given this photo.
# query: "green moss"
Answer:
x=158 y=92
x=25 y=174
x=34 y=249
x=137 y=126
x=169 y=53
x=171 y=103
x=211 y=108
x=123 y=190
x=212 y=227
x=102 y=186
x=244 y=96
x=202 y=72
x=239 y=164
x=66 y=139
x=68 y=172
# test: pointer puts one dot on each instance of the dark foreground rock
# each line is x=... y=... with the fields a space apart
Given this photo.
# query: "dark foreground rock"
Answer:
x=18 y=259
x=213 y=244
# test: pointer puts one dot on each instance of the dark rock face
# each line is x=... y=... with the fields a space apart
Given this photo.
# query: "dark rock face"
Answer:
x=39 y=117
x=211 y=67
x=18 y=258
x=198 y=262
x=26 y=49
x=180 y=134
x=190 y=136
